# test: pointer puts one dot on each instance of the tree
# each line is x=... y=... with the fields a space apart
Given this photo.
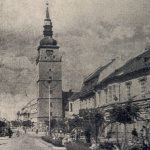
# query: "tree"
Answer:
x=124 y=114
x=53 y=123
x=16 y=123
x=93 y=120
x=2 y=125
x=75 y=122
x=27 y=123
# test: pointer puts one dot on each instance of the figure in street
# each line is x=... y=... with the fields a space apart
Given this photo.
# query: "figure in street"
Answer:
x=18 y=133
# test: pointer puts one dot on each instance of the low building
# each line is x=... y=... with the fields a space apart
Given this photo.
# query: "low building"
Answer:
x=73 y=107
x=29 y=112
x=33 y=112
x=65 y=96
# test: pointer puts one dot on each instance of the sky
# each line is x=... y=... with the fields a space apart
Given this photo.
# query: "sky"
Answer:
x=89 y=33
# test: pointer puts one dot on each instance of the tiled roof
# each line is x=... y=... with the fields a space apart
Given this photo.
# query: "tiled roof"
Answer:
x=73 y=97
x=91 y=81
x=65 y=96
x=137 y=63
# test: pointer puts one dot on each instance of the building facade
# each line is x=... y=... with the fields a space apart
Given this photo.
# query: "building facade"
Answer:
x=114 y=86
x=50 y=76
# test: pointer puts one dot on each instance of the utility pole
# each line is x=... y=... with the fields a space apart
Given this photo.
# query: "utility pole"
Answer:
x=49 y=90
x=49 y=110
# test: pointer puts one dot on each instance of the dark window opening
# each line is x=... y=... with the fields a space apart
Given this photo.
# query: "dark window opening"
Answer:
x=71 y=107
x=51 y=113
x=51 y=104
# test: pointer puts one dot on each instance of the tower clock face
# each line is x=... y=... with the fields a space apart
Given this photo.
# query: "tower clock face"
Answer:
x=49 y=53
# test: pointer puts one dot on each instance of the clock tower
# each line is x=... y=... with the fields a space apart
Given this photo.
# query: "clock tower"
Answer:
x=50 y=77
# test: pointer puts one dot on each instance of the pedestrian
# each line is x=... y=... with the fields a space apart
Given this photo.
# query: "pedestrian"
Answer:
x=37 y=131
x=18 y=133
x=10 y=132
x=25 y=130
x=135 y=134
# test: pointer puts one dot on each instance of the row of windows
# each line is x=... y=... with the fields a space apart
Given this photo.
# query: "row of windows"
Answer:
x=112 y=92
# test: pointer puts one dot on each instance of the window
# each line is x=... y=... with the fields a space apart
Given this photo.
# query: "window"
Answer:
x=128 y=85
x=51 y=104
x=105 y=91
x=50 y=70
x=99 y=96
x=51 y=113
x=143 y=86
x=50 y=77
x=110 y=93
x=114 y=93
x=70 y=107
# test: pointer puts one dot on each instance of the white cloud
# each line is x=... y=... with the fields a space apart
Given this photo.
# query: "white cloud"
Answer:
x=85 y=30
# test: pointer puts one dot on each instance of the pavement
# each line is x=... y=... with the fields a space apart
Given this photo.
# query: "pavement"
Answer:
x=28 y=141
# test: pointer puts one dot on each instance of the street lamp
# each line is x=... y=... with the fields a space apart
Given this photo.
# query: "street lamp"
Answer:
x=49 y=81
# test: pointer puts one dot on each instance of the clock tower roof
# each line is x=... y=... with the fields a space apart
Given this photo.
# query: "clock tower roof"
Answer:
x=48 y=33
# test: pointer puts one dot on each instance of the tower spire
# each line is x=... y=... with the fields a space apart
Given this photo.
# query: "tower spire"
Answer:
x=48 y=32
x=47 y=12
x=48 y=24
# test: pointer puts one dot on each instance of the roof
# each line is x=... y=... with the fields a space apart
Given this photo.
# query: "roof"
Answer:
x=135 y=64
x=74 y=96
x=69 y=98
x=65 y=96
x=97 y=72
x=91 y=81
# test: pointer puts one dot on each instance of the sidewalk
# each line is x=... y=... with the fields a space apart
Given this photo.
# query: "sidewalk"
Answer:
x=4 y=138
x=40 y=134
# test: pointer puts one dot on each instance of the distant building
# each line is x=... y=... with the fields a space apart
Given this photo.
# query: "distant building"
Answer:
x=65 y=96
x=25 y=113
x=29 y=112
x=33 y=112
x=73 y=106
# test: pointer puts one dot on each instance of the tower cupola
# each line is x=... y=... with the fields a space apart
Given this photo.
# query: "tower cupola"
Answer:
x=48 y=33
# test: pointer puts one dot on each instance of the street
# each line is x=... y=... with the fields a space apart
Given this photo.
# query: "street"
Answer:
x=24 y=142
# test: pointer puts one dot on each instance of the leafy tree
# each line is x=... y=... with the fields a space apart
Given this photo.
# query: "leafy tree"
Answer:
x=93 y=119
x=2 y=124
x=124 y=114
x=75 y=122
x=16 y=123
x=53 y=123
x=27 y=123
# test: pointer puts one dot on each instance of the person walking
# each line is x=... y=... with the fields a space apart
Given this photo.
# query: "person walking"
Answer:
x=18 y=133
x=10 y=132
x=25 y=130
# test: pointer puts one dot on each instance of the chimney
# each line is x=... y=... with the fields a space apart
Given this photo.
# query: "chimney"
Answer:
x=70 y=91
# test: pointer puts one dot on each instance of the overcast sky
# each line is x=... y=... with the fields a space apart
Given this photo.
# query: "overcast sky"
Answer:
x=90 y=33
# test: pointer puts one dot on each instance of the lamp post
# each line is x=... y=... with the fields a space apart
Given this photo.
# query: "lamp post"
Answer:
x=49 y=81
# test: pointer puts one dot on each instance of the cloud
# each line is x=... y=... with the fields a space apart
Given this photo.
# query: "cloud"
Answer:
x=89 y=33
